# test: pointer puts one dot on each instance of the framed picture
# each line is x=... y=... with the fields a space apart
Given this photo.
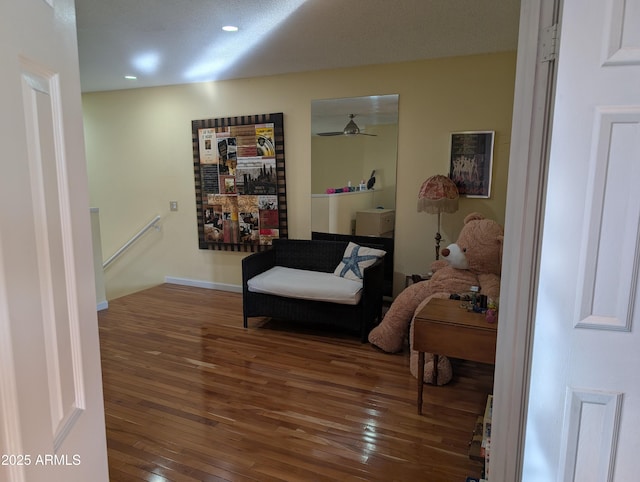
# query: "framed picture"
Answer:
x=239 y=179
x=471 y=159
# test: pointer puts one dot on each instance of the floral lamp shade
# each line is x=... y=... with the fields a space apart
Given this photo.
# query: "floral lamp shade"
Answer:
x=437 y=195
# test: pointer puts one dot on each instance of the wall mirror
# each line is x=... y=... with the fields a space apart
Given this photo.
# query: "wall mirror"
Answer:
x=354 y=140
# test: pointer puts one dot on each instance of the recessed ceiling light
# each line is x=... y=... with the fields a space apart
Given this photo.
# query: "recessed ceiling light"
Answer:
x=230 y=28
x=130 y=77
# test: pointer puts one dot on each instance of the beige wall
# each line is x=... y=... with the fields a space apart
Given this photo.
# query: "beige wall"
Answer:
x=336 y=160
x=139 y=157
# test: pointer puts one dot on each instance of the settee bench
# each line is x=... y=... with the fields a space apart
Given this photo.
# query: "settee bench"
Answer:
x=295 y=281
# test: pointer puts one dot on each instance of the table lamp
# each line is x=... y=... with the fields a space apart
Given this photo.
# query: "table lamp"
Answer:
x=437 y=195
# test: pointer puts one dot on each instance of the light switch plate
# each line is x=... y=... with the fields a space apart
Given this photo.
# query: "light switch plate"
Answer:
x=173 y=205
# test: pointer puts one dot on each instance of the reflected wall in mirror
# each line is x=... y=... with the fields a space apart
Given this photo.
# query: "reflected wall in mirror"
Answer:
x=343 y=154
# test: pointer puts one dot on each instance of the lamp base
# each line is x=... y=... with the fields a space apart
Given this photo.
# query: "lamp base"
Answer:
x=438 y=238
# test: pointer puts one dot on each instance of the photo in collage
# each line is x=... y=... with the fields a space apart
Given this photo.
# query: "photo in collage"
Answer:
x=239 y=184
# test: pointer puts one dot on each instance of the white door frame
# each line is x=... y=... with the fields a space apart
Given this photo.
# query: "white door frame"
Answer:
x=532 y=112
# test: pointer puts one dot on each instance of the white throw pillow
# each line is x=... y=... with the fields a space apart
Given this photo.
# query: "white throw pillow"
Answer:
x=356 y=258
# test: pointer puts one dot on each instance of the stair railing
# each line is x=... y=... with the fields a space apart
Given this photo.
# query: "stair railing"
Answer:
x=149 y=225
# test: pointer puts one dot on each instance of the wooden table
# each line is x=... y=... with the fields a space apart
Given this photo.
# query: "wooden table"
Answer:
x=445 y=327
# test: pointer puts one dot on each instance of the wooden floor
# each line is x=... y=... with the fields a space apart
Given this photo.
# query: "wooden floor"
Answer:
x=190 y=395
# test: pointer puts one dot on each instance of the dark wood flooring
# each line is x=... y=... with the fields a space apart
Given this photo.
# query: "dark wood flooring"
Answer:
x=190 y=395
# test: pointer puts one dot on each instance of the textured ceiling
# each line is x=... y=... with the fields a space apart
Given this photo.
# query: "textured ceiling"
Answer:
x=165 y=42
x=331 y=115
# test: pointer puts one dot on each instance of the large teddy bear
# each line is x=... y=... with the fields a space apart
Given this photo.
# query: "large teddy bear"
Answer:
x=473 y=260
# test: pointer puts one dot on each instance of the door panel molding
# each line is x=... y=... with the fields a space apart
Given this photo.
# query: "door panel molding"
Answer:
x=622 y=46
x=612 y=215
x=54 y=245
x=589 y=434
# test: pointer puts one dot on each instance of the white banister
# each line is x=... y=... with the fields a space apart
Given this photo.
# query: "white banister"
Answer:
x=149 y=225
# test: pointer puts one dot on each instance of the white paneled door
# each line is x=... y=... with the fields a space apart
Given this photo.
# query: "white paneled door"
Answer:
x=51 y=408
x=584 y=400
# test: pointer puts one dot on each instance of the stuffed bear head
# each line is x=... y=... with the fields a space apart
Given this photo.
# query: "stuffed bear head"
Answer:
x=479 y=246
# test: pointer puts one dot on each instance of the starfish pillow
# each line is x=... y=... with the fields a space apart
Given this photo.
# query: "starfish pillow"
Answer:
x=356 y=258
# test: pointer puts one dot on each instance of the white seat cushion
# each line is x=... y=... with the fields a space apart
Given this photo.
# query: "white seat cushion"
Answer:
x=306 y=285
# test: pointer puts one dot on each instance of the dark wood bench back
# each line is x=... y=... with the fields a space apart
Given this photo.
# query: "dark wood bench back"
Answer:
x=309 y=254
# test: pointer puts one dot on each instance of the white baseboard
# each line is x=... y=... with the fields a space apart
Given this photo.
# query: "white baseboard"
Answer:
x=203 y=284
x=103 y=305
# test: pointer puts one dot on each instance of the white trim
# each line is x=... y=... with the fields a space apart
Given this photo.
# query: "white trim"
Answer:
x=10 y=434
x=606 y=418
x=71 y=414
x=533 y=104
x=615 y=51
x=103 y=305
x=36 y=77
x=614 y=309
x=203 y=284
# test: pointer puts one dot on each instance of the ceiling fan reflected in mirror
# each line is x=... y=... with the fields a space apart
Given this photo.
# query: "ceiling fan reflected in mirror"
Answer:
x=351 y=129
